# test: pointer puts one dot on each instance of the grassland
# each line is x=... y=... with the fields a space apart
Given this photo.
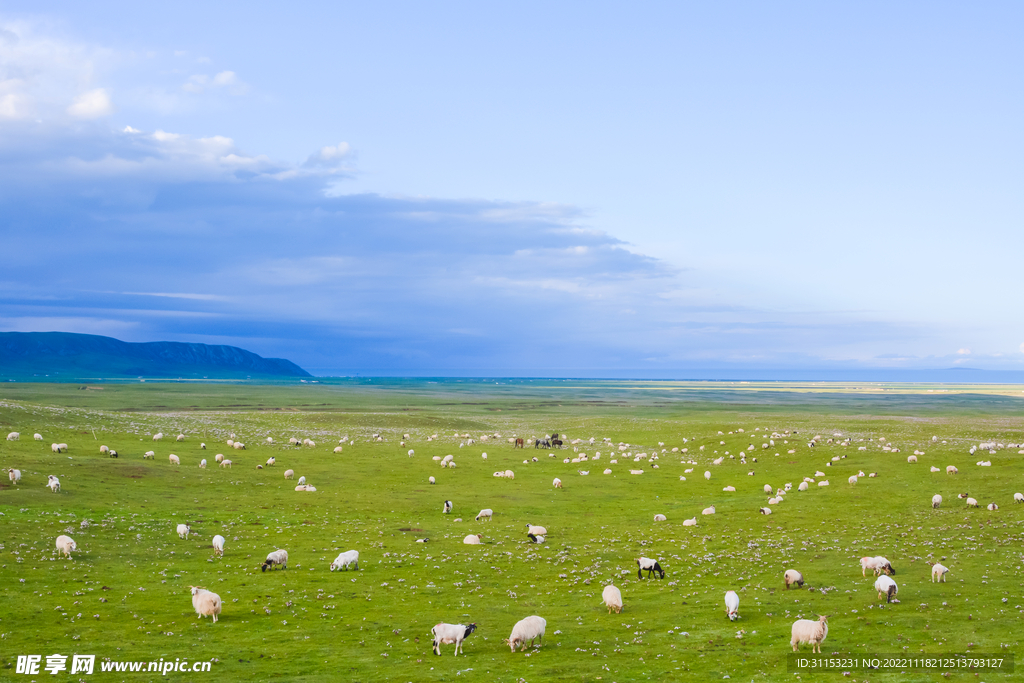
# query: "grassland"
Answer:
x=125 y=594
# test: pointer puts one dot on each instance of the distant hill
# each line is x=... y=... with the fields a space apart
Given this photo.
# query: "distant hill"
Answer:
x=68 y=356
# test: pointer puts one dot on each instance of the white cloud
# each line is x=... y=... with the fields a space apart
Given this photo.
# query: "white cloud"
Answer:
x=228 y=80
x=92 y=105
x=963 y=352
x=225 y=78
x=331 y=155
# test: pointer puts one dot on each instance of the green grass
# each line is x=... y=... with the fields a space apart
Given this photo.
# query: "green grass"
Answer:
x=373 y=497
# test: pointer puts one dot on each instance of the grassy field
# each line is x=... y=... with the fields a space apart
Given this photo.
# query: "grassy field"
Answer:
x=125 y=595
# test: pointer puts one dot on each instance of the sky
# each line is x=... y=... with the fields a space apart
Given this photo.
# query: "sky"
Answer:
x=573 y=189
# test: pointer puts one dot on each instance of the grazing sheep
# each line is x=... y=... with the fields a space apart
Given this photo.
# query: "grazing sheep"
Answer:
x=509 y=474
x=206 y=603
x=180 y=437
x=271 y=461
x=951 y=469
x=887 y=587
x=276 y=558
x=53 y=482
x=528 y=629
x=447 y=507
x=37 y=437
x=446 y=634
x=852 y=480
x=174 y=460
x=768 y=489
x=807 y=631
x=792 y=577
x=765 y=511
x=302 y=480
x=732 y=605
x=1018 y=497
x=648 y=565
x=202 y=464
x=612 y=597
x=539 y=530
x=992 y=507
x=877 y=564
x=103 y=449
x=472 y=539
x=149 y=454
x=15 y=476
x=803 y=486
x=660 y=518
x=936 y=501
x=184 y=530
x=934 y=469
x=349 y=558
x=431 y=480
x=690 y=522
x=289 y=474
x=238 y=446
x=911 y=458
x=66 y=544
x=218 y=545
x=338 y=449
x=939 y=573
x=219 y=457
x=202 y=446
x=708 y=511
x=225 y=463
x=557 y=483
x=707 y=476
x=486 y=513
x=972 y=503
x=158 y=436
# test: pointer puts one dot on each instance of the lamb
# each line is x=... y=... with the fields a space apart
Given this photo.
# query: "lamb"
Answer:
x=180 y=437
x=158 y=436
x=852 y=480
x=446 y=634
x=936 y=501
x=202 y=464
x=277 y=557
x=1017 y=497
x=807 y=631
x=707 y=476
x=934 y=469
x=646 y=563
x=612 y=597
x=447 y=507
x=174 y=460
x=690 y=522
x=528 y=629
x=103 y=450
x=431 y=480
x=768 y=489
x=206 y=604
x=53 y=482
x=15 y=476
x=345 y=560
x=289 y=474
x=939 y=573
x=972 y=503
x=878 y=564
x=238 y=446
x=729 y=489
x=765 y=511
x=708 y=511
x=509 y=474
x=537 y=530
x=302 y=480
x=911 y=458
x=184 y=530
x=472 y=539
x=55 y=447
x=149 y=454
x=887 y=587
x=37 y=437
x=951 y=469
x=202 y=446
x=732 y=605
x=803 y=486
x=270 y=461
x=823 y=482
x=66 y=544
x=792 y=577
x=486 y=513
x=225 y=463
x=535 y=538
x=660 y=518
x=218 y=545
x=557 y=483
x=992 y=507
x=219 y=457
x=338 y=449
x=305 y=487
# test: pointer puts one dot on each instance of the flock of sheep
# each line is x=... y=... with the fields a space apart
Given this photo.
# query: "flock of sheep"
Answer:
x=532 y=628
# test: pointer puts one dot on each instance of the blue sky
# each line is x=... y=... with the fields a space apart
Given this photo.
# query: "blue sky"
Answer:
x=411 y=188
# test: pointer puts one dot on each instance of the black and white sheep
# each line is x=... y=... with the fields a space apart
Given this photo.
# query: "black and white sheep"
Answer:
x=276 y=558
x=446 y=634
x=650 y=566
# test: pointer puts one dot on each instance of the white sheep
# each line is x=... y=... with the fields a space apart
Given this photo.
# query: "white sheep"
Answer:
x=792 y=577
x=218 y=545
x=729 y=489
x=158 y=436
x=447 y=507
x=225 y=463
x=37 y=437
x=238 y=446
x=446 y=634
x=768 y=489
x=911 y=458
x=184 y=530
x=766 y=511
x=180 y=437
x=66 y=544
x=53 y=482
x=557 y=483
x=707 y=476
x=174 y=460
x=302 y=480
x=807 y=631
x=486 y=513
x=936 y=501
x=472 y=539
x=887 y=587
x=289 y=474
x=15 y=476
x=823 y=482
x=349 y=558
x=939 y=573
x=219 y=457
x=104 y=450
x=206 y=603
x=1017 y=497
x=202 y=446
x=972 y=503
x=305 y=487
x=660 y=518
x=276 y=558
x=431 y=480
x=528 y=629
x=534 y=538
x=950 y=469
x=877 y=564
x=612 y=597
x=690 y=522
x=636 y=471
x=271 y=461
x=852 y=480
x=732 y=605
x=803 y=486
x=992 y=507
x=708 y=510
x=509 y=474
x=337 y=449
x=933 y=468
x=149 y=454
x=536 y=530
